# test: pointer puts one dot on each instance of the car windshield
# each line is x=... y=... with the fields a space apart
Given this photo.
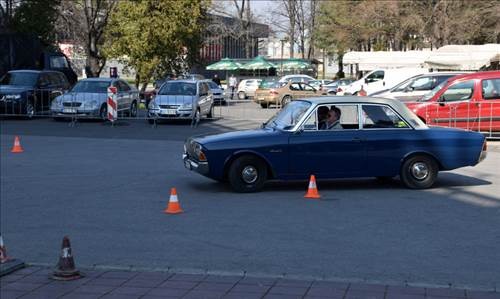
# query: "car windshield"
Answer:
x=20 y=79
x=178 y=88
x=91 y=86
x=430 y=94
x=268 y=83
x=288 y=117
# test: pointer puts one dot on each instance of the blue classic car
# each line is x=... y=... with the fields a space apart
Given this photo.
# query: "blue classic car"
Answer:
x=373 y=137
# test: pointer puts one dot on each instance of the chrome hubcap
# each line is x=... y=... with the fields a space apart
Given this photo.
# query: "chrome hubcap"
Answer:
x=419 y=170
x=30 y=110
x=249 y=174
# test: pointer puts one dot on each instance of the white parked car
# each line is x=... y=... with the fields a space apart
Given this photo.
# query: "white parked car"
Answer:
x=247 y=88
x=381 y=79
x=414 y=88
x=296 y=78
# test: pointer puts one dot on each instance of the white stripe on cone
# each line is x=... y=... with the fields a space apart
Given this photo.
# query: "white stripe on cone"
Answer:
x=312 y=185
x=173 y=198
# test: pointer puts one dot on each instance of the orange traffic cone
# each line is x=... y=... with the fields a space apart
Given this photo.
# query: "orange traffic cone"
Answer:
x=173 y=204
x=65 y=269
x=17 y=146
x=312 y=191
x=3 y=252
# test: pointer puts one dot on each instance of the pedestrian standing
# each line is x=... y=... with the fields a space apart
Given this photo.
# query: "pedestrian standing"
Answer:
x=362 y=92
x=232 y=84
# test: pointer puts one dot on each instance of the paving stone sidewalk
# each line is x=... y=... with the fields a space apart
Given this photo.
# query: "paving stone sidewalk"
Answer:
x=34 y=282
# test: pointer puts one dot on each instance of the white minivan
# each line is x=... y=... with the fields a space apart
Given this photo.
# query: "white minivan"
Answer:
x=381 y=79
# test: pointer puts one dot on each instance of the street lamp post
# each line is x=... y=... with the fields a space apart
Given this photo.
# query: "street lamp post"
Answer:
x=282 y=49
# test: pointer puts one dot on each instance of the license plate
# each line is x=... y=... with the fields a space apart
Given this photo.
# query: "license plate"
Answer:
x=69 y=110
x=261 y=99
x=187 y=164
x=171 y=111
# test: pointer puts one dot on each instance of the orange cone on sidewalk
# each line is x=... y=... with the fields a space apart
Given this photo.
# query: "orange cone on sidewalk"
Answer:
x=312 y=190
x=65 y=269
x=17 y=146
x=173 y=204
x=3 y=252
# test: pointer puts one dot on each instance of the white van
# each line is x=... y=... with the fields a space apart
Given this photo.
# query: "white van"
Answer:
x=381 y=79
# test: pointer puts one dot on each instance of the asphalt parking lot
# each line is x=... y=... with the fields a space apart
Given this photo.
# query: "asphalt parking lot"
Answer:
x=106 y=187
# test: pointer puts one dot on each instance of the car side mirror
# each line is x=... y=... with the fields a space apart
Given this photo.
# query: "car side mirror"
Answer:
x=366 y=80
x=441 y=100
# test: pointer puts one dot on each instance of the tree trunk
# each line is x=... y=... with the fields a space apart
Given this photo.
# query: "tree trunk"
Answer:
x=340 y=59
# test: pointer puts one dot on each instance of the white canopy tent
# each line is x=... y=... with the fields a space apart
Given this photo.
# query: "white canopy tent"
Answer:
x=463 y=57
x=368 y=61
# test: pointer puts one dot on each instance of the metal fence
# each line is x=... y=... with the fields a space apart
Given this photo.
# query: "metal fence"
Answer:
x=482 y=117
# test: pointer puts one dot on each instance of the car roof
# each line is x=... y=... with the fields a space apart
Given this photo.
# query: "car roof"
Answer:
x=29 y=71
x=99 y=79
x=187 y=80
x=478 y=75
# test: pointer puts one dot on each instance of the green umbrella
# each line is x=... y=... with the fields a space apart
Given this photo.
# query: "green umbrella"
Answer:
x=258 y=63
x=291 y=64
x=225 y=64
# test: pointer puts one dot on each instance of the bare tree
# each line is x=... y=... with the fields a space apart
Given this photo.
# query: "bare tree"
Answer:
x=85 y=22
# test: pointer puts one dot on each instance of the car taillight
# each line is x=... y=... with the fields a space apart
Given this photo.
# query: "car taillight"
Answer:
x=272 y=91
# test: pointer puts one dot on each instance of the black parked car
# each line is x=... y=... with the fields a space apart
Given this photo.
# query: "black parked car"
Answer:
x=30 y=92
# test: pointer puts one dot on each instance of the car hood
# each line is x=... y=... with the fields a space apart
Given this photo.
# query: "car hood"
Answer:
x=11 y=89
x=84 y=97
x=235 y=136
x=173 y=100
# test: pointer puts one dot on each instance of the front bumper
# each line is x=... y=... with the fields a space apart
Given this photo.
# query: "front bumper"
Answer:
x=200 y=167
x=170 y=113
x=69 y=112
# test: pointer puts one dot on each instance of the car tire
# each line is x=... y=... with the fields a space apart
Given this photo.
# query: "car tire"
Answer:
x=419 y=172
x=30 y=110
x=264 y=105
x=133 y=109
x=242 y=95
x=247 y=174
x=285 y=100
x=103 y=112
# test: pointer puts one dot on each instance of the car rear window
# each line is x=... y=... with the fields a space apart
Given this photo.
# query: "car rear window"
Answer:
x=491 y=89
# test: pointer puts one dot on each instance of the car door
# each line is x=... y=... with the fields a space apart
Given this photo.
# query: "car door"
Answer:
x=456 y=106
x=384 y=133
x=124 y=95
x=56 y=89
x=204 y=98
x=308 y=90
x=489 y=113
x=374 y=81
x=328 y=153
x=295 y=90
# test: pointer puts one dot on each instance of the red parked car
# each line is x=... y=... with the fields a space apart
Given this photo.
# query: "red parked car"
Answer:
x=469 y=101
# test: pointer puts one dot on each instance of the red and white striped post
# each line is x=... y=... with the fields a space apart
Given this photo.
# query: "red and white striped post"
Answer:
x=112 y=105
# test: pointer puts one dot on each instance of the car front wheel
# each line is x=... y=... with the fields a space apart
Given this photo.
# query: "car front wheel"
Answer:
x=133 y=109
x=419 y=172
x=241 y=95
x=103 y=113
x=247 y=174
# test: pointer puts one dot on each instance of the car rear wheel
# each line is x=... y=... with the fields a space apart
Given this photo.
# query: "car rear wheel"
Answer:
x=264 y=105
x=419 y=172
x=242 y=95
x=286 y=100
x=133 y=109
x=247 y=174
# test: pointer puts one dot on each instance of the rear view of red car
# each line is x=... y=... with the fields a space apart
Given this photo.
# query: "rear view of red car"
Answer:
x=470 y=101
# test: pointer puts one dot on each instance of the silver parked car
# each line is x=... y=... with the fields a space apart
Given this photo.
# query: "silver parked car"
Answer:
x=189 y=99
x=216 y=91
x=88 y=98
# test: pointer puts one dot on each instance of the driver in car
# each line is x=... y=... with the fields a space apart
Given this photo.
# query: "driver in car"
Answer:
x=333 y=120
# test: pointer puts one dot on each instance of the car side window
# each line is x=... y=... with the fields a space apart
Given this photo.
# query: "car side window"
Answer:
x=460 y=91
x=491 y=89
x=311 y=124
x=124 y=86
x=424 y=83
x=307 y=87
x=319 y=118
x=375 y=76
x=202 y=89
x=379 y=116
x=295 y=86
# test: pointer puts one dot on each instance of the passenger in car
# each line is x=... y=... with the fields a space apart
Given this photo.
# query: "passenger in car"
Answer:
x=322 y=116
x=333 y=120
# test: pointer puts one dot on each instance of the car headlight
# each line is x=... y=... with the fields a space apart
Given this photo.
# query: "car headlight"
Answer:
x=57 y=102
x=13 y=96
x=153 y=105
x=187 y=105
x=91 y=104
x=198 y=152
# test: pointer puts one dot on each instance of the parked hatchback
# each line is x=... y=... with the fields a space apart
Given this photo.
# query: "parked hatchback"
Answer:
x=88 y=98
x=281 y=93
x=188 y=99
x=470 y=101
x=416 y=87
x=28 y=93
x=247 y=88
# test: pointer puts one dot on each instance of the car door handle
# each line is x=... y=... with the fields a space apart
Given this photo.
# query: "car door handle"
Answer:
x=357 y=139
